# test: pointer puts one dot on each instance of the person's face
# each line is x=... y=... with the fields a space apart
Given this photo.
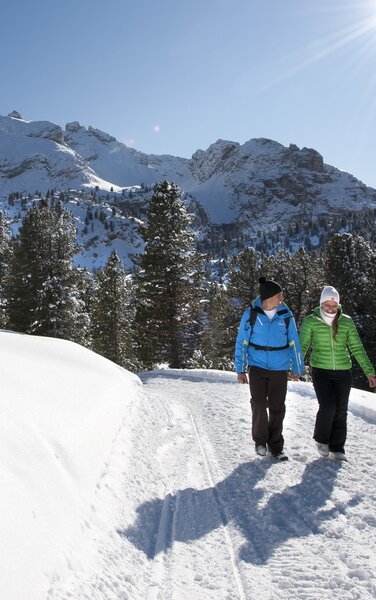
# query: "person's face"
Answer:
x=273 y=302
x=330 y=307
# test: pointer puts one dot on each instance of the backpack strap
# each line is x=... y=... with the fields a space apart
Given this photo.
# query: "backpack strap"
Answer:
x=252 y=321
x=252 y=318
x=253 y=310
x=287 y=319
x=269 y=348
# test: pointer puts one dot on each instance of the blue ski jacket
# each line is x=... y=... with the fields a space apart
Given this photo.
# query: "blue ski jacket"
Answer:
x=266 y=334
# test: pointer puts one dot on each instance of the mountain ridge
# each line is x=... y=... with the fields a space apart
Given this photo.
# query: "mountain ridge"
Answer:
x=231 y=180
x=260 y=193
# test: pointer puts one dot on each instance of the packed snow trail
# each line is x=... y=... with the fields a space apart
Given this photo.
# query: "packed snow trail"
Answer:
x=200 y=516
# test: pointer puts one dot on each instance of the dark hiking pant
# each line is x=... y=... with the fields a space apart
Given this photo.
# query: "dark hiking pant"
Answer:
x=332 y=390
x=268 y=394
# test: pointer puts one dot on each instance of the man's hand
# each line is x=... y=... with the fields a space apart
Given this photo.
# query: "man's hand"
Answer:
x=242 y=378
x=295 y=377
x=371 y=381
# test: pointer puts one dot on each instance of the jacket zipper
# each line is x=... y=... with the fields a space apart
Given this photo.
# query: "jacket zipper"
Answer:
x=332 y=343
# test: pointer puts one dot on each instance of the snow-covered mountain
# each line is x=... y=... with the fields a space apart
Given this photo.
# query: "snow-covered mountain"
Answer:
x=113 y=489
x=258 y=184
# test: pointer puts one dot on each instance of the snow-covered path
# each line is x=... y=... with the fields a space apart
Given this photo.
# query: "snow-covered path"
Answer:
x=199 y=516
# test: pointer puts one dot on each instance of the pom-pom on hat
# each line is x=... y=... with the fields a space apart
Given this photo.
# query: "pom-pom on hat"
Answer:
x=329 y=293
x=268 y=288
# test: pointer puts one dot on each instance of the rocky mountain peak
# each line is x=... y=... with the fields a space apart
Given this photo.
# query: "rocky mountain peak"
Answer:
x=306 y=158
x=73 y=126
x=213 y=160
x=16 y=126
x=15 y=114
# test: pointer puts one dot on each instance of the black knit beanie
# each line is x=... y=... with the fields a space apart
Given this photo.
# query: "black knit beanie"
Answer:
x=268 y=288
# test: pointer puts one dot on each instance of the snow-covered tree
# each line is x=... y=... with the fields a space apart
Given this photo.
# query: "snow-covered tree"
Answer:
x=300 y=276
x=347 y=261
x=112 y=314
x=169 y=282
x=44 y=293
x=5 y=259
x=218 y=341
x=227 y=305
x=243 y=274
x=305 y=284
x=350 y=267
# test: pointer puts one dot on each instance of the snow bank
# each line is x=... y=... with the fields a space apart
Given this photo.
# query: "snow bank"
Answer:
x=363 y=404
x=62 y=407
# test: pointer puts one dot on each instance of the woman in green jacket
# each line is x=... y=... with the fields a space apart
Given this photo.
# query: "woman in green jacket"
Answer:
x=332 y=336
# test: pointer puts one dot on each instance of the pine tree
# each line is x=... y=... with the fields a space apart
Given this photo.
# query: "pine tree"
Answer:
x=241 y=290
x=349 y=267
x=112 y=314
x=279 y=268
x=347 y=260
x=243 y=275
x=218 y=341
x=169 y=282
x=301 y=277
x=5 y=259
x=304 y=280
x=44 y=289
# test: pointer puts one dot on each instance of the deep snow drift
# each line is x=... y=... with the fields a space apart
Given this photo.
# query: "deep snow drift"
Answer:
x=62 y=408
x=115 y=491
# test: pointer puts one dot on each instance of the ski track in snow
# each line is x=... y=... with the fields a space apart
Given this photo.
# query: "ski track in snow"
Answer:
x=200 y=516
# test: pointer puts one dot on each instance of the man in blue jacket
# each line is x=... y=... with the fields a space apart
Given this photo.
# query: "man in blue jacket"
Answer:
x=267 y=347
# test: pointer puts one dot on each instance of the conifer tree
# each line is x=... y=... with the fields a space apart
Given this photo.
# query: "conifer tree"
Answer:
x=347 y=259
x=349 y=266
x=218 y=341
x=44 y=289
x=241 y=290
x=300 y=276
x=112 y=314
x=5 y=259
x=169 y=282
x=279 y=268
x=243 y=275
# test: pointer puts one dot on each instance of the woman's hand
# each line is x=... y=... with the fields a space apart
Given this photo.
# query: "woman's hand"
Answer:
x=371 y=381
x=242 y=378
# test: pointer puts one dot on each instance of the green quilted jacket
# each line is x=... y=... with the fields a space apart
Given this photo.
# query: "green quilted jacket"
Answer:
x=329 y=352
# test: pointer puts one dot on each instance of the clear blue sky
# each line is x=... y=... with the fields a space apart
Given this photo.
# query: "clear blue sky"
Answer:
x=173 y=76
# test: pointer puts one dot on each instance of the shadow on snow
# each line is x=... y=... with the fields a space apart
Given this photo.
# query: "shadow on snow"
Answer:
x=191 y=375
x=190 y=514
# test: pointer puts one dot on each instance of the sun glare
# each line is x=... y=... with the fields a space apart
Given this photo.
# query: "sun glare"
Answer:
x=356 y=30
x=361 y=33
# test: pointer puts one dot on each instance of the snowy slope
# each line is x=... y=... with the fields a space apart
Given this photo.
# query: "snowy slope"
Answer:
x=120 y=164
x=62 y=408
x=196 y=515
x=104 y=233
x=33 y=156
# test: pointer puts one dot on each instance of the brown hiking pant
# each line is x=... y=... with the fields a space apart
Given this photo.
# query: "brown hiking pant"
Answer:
x=268 y=394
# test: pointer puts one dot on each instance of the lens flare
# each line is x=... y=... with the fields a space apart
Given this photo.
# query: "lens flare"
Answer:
x=360 y=35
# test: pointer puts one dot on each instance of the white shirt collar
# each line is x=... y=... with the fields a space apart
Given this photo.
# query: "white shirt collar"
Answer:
x=270 y=313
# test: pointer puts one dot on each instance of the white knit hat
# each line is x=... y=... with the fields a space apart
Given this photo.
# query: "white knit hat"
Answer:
x=329 y=293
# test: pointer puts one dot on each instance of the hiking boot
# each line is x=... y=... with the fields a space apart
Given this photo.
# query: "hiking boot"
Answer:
x=323 y=449
x=260 y=449
x=280 y=456
x=337 y=456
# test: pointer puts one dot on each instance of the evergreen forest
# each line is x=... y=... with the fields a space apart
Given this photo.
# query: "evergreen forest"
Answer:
x=169 y=309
